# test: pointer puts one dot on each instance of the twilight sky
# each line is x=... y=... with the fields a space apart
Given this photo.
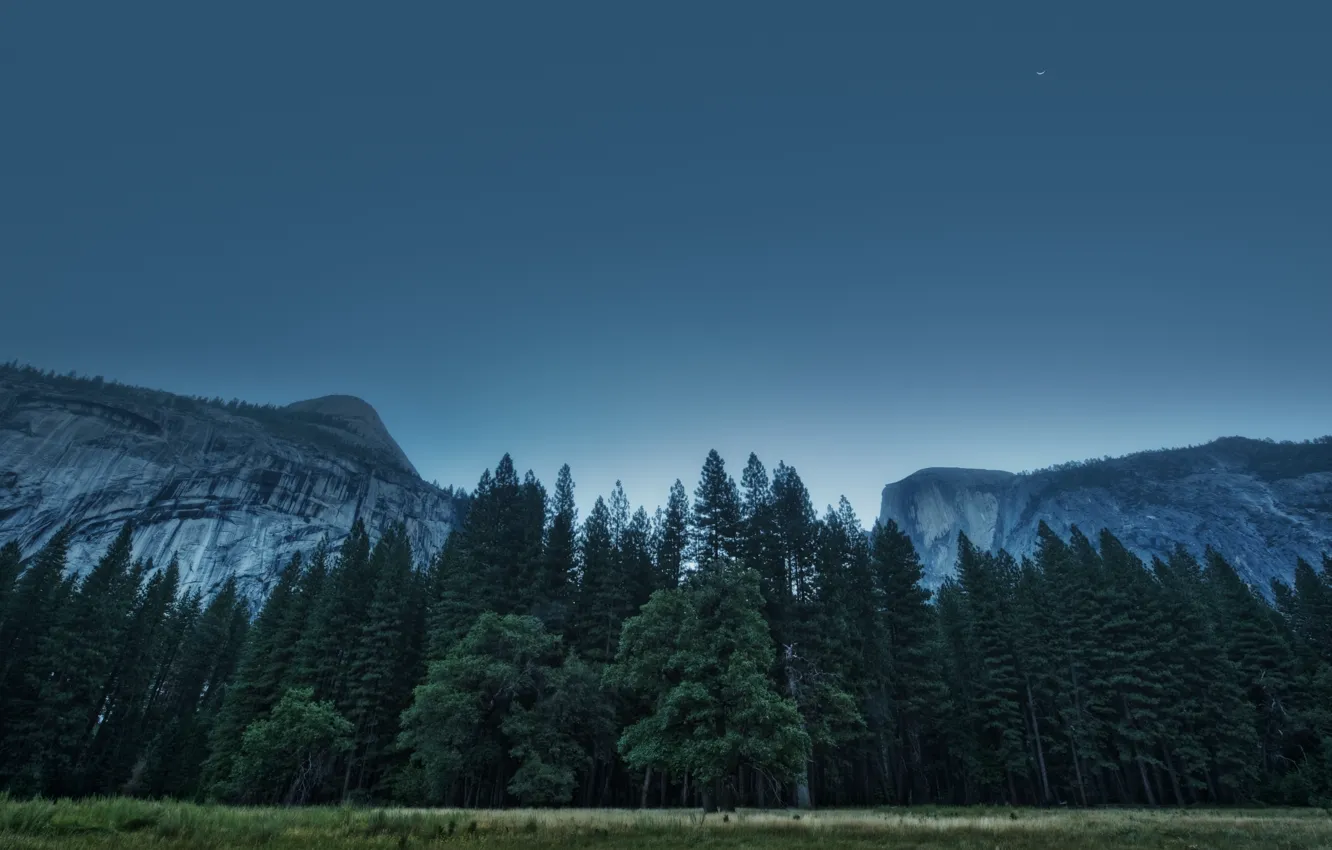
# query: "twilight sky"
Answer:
x=862 y=238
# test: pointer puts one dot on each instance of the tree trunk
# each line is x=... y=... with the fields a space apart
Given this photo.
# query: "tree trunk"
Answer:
x=709 y=800
x=1146 y=780
x=1077 y=768
x=647 y=785
x=802 y=778
x=1174 y=777
x=1040 y=750
x=920 y=791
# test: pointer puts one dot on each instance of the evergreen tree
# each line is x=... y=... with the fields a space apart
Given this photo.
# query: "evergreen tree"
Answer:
x=715 y=522
x=986 y=585
x=599 y=610
x=908 y=688
x=637 y=571
x=673 y=541
x=192 y=693
x=11 y=560
x=1264 y=658
x=251 y=694
x=381 y=676
x=1209 y=724
x=795 y=536
x=561 y=554
x=121 y=733
x=323 y=656
x=759 y=550
x=34 y=606
x=71 y=671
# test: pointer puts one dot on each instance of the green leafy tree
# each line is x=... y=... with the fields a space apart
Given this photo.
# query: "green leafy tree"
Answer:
x=286 y=756
x=499 y=715
x=702 y=653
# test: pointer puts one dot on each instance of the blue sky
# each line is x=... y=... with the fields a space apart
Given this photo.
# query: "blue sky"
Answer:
x=856 y=237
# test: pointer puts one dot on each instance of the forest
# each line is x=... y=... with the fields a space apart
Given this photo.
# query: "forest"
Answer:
x=733 y=649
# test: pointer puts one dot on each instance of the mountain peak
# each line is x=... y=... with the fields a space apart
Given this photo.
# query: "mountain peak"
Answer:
x=359 y=418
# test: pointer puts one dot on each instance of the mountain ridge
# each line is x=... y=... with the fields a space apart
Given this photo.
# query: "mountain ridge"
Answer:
x=1261 y=503
x=228 y=488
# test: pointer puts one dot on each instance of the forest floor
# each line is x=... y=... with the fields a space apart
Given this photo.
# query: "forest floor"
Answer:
x=124 y=823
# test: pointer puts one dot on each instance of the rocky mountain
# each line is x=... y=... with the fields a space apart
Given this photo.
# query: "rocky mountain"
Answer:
x=228 y=488
x=1261 y=504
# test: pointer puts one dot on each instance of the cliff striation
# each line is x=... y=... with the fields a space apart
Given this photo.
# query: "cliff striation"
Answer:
x=1261 y=504
x=226 y=488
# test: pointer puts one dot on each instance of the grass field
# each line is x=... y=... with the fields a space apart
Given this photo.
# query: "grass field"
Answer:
x=118 y=823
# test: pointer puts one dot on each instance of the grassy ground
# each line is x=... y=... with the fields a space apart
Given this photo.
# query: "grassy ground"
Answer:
x=136 y=824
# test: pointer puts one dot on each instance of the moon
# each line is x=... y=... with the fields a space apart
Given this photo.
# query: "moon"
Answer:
x=1039 y=73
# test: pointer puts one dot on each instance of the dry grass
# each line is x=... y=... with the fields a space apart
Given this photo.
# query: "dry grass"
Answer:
x=118 y=823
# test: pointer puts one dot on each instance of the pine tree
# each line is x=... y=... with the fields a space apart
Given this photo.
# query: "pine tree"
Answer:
x=11 y=561
x=252 y=693
x=121 y=733
x=71 y=670
x=795 y=532
x=324 y=654
x=715 y=522
x=378 y=689
x=1070 y=629
x=1264 y=659
x=634 y=553
x=986 y=584
x=560 y=554
x=1211 y=726
x=1132 y=639
x=599 y=609
x=192 y=693
x=759 y=549
x=34 y=606
x=532 y=593
x=909 y=688
x=673 y=540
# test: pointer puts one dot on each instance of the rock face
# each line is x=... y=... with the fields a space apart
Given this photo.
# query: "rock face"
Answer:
x=228 y=489
x=1260 y=504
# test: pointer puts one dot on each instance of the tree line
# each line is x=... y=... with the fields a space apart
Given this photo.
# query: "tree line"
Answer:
x=735 y=649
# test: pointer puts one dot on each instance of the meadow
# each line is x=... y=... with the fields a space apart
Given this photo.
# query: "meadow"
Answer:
x=126 y=823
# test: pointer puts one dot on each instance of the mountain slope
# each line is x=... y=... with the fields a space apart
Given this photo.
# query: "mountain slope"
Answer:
x=1261 y=504
x=229 y=489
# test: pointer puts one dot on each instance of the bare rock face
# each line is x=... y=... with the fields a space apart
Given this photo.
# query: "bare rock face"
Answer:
x=1260 y=504
x=360 y=419
x=228 y=489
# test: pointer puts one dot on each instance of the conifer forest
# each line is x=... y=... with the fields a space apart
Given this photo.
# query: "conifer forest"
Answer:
x=734 y=649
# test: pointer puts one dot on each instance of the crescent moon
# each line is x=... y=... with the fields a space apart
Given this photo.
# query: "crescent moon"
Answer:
x=1038 y=73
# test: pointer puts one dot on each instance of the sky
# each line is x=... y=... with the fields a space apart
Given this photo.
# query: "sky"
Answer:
x=860 y=238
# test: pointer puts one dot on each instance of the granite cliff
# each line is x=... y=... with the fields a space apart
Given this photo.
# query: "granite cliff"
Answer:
x=226 y=488
x=1261 y=504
